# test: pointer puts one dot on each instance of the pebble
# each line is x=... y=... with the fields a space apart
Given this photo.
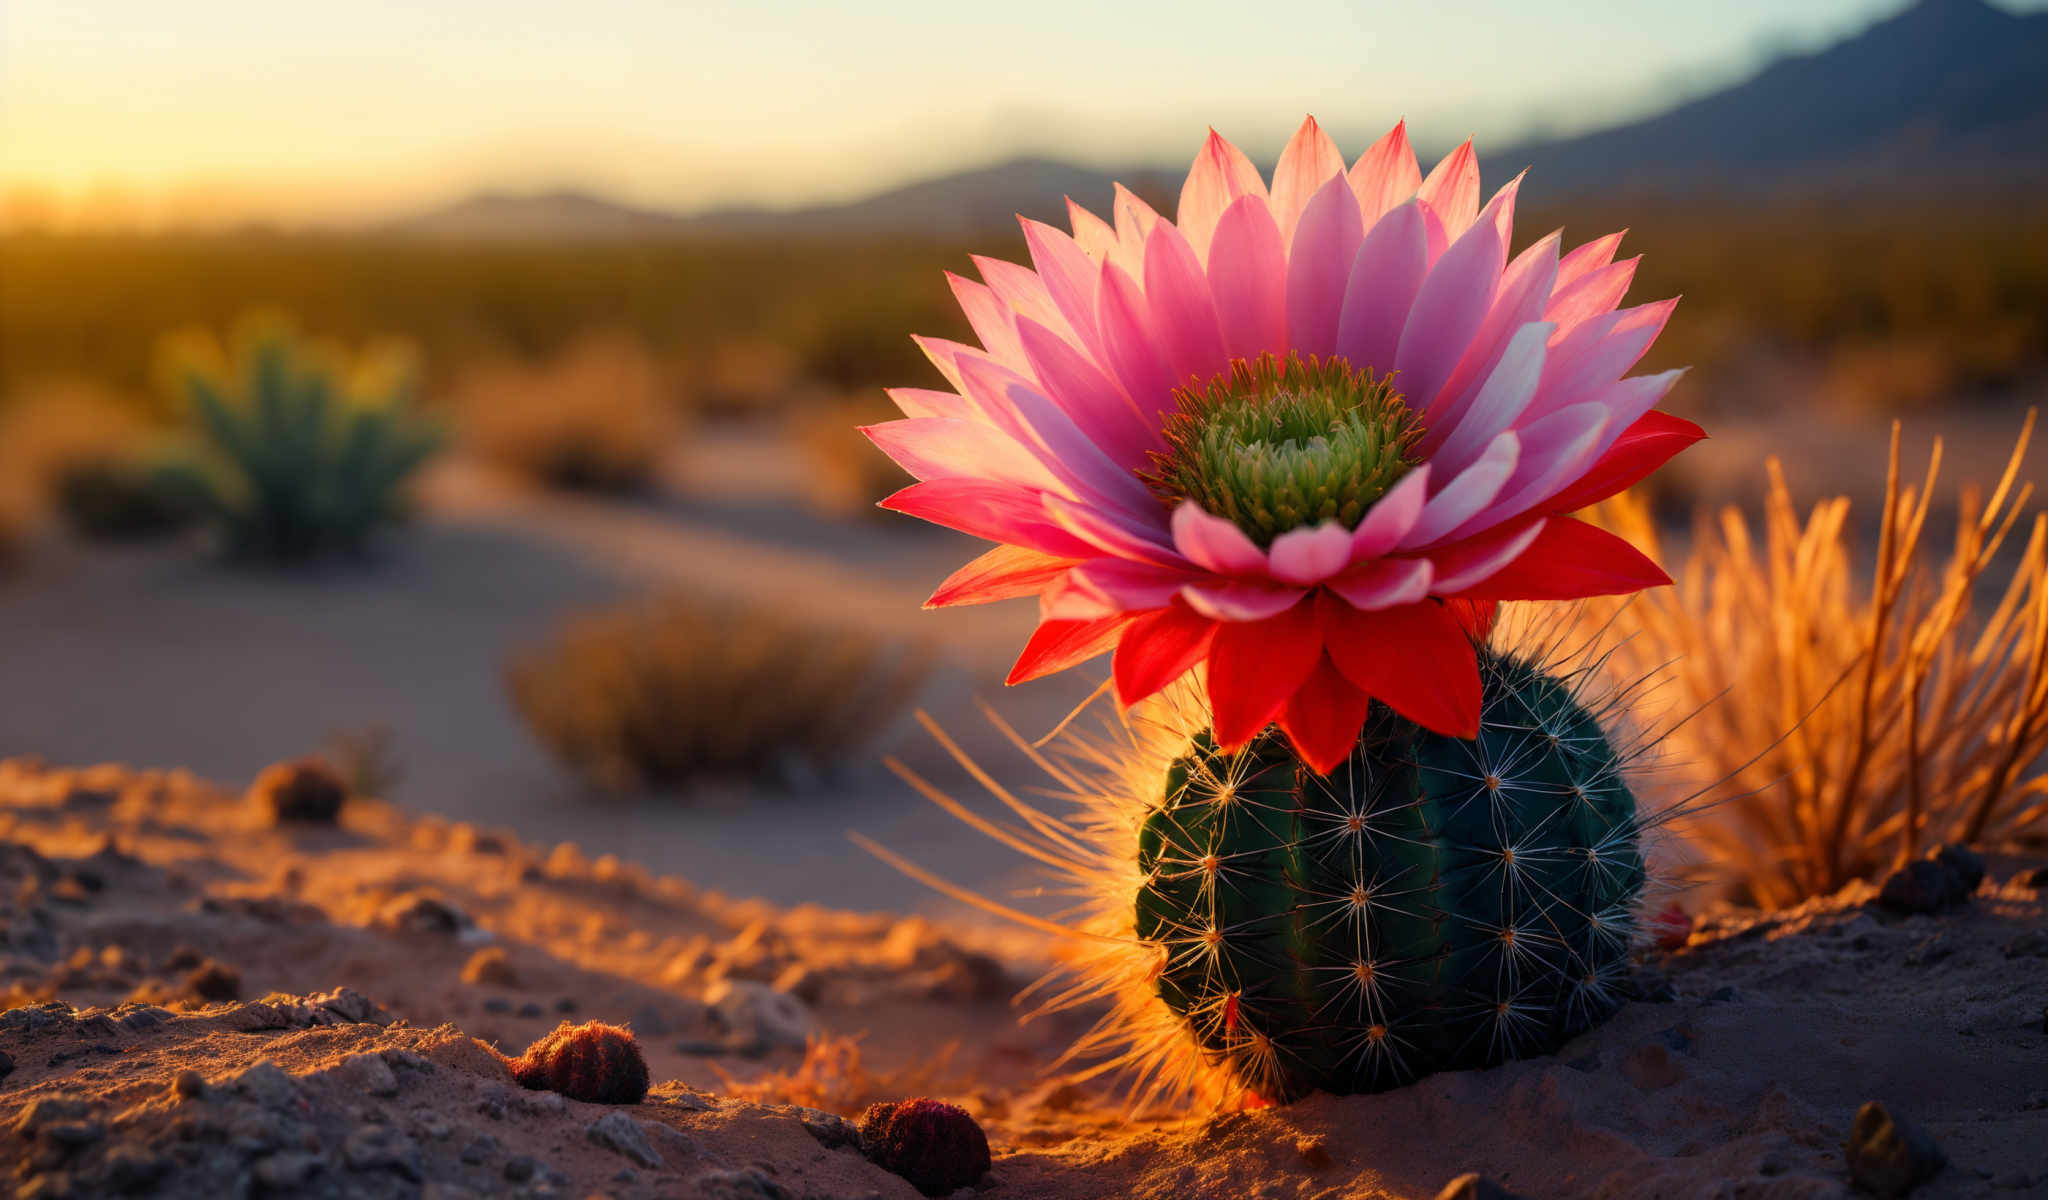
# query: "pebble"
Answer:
x=267 y=1084
x=1930 y=950
x=481 y=1149
x=351 y=1006
x=189 y=1084
x=375 y=1147
x=519 y=1169
x=621 y=1134
x=759 y=1014
x=832 y=1130
x=1474 y=1186
x=489 y=967
x=1943 y=880
x=370 y=1073
x=1889 y=1155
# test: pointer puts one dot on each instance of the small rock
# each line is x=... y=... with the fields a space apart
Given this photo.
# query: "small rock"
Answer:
x=302 y=791
x=286 y=1172
x=1930 y=885
x=1930 y=950
x=370 y=1073
x=1966 y=864
x=189 y=1083
x=756 y=1011
x=378 y=1147
x=1888 y=1155
x=427 y=914
x=351 y=1006
x=832 y=1130
x=649 y=1022
x=621 y=1134
x=497 y=1005
x=520 y=1169
x=1474 y=1186
x=267 y=1084
x=133 y=1168
x=481 y=1149
x=566 y=1005
x=532 y=1009
x=1315 y=1152
x=215 y=982
x=431 y=1124
x=489 y=967
x=492 y=1106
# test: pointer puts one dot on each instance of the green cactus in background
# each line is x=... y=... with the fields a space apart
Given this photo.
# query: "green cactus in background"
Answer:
x=302 y=456
x=1434 y=904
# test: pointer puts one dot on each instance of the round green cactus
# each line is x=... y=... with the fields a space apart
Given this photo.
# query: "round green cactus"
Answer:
x=1433 y=904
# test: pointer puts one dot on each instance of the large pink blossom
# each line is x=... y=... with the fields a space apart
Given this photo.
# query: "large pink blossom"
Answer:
x=1516 y=368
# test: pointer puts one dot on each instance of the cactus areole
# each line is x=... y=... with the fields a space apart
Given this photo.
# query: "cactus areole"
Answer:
x=1433 y=903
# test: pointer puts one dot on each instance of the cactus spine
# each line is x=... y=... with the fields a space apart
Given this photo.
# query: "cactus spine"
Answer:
x=1433 y=904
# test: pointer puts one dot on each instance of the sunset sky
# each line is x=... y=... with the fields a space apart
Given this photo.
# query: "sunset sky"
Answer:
x=142 y=112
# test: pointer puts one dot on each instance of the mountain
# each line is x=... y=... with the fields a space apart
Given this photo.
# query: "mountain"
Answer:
x=1946 y=91
x=539 y=215
x=1946 y=85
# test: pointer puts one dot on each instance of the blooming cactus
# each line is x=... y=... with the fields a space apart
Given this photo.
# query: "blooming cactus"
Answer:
x=1307 y=436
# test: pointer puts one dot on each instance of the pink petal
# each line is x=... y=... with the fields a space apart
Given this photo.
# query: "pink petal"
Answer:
x=1025 y=293
x=944 y=355
x=1093 y=234
x=1588 y=257
x=1556 y=450
x=998 y=512
x=1183 y=315
x=1310 y=554
x=1134 y=222
x=1214 y=544
x=1524 y=287
x=1385 y=583
x=1071 y=279
x=1452 y=189
x=1068 y=599
x=1318 y=267
x=1392 y=515
x=925 y=402
x=1469 y=491
x=1241 y=599
x=1040 y=426
x=1220 y=175
x=1587 y=359
x=1127 y=342
x=1448 y=311
x=1385 y=275
x=991 y=318
x=1095 y=402
x=1309 y=161
x=1501 y=399
x=1057 y=645
x=1157 y=649
x=1629 y=399
x=946 y=448
x=1594 y=293
x=1114 y=533
x=1385 y=175
x=1130 y=586
x=1248 y=278
x=1460 y=565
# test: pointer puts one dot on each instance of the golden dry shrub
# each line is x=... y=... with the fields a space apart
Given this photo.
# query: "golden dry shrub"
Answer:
x=1842 y=723
x=658 y=694
x=601 y=417
x=845 y=475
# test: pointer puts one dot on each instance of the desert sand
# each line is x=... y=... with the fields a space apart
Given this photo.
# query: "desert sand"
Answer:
x=206 y=1003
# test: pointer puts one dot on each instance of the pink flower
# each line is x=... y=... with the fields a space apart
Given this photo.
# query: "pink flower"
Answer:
x=1117 y=378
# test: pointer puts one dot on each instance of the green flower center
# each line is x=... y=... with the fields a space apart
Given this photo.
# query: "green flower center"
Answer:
x=1276 y=445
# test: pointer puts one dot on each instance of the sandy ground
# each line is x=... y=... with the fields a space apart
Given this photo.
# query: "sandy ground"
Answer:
x=202 y=1003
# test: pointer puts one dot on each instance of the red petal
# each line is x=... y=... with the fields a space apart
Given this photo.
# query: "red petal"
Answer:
x=1643 y=447
x=1003 y=573
x=1477 y=616
x=1418 y=658
x=1323 y=717
x=1159 y=647
x=1254 y=666
x=1057 y=645
x=1571 y=560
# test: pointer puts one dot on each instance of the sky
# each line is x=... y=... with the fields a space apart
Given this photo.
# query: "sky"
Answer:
x=143 y=112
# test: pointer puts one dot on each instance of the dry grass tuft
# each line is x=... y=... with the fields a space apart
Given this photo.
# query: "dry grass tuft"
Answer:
x=601 y=417
x=1851 y=725
x=658 y=694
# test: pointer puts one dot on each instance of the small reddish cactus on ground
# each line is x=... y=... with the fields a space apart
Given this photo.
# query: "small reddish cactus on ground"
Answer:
x=936 y=1146
x=304 y=791
x=593 y=1061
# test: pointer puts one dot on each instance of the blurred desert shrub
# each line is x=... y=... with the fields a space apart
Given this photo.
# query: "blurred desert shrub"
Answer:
x=1841 y=727
x=92 y=457
x=657 y=694
x=602 y=416
x=303 y=449
x=844 y=473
